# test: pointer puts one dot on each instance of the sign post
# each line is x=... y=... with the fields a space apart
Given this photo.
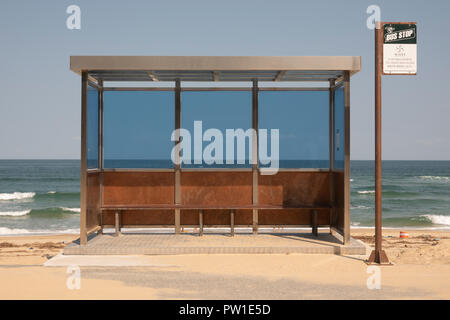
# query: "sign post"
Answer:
x=395 y=54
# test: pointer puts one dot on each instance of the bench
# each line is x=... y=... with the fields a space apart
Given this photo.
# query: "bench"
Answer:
x=119 y=208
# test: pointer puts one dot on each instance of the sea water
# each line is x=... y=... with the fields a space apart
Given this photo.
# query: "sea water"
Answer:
x=43 y=196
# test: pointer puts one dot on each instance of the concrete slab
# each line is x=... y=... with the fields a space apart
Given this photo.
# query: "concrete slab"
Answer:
x=158 y=244
x=63 y=260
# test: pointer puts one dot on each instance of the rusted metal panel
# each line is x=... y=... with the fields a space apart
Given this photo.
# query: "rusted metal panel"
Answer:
x=141 y=217
x=138 y=188
x=215 y=217
x=212 y=217
x=243 y=217
x=339 y=200
x=293 y=217
x=294 y=189
x=93 y=200
x=190 y=217
x=216 y=193
x=212 y=188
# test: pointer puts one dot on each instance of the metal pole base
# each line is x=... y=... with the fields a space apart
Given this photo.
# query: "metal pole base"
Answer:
x=378 y=257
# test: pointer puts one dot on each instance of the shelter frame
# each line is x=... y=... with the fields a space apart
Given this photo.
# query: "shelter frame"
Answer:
x=95 y=71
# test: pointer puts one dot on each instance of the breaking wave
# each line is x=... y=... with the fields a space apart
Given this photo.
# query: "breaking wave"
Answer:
x=438 y=219
x=435 y=178
x=14 y=213
x=366 y=191
x=47 y=212
x=17 y=195
x=13 y=231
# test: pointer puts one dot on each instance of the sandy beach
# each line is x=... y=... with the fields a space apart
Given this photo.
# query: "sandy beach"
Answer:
x=421 y=270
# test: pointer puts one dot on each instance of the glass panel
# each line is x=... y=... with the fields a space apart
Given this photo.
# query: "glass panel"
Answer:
x=339 y=128
x=302 y=118
x=92 y=128
x=137 y=129
x=221 y=111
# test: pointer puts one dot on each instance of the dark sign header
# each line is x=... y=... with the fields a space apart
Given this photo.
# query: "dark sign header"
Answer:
x=399 y=33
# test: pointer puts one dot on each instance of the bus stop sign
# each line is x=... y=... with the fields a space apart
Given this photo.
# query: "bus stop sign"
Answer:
x=399 y=48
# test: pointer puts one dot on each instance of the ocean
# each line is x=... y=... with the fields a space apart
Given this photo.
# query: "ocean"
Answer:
x=43 y=196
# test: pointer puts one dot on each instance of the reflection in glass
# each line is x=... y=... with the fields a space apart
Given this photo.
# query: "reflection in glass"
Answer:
x=137 y=129
x=216 y=112
x=302 y=118
x=92 y=128
x=339 y=126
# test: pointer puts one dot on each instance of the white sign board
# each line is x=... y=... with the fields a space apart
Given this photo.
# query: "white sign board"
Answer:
x=399 y=48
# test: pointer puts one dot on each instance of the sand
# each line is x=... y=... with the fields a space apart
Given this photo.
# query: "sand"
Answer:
x=421 y=270
x=31 y=250
x=423 y=247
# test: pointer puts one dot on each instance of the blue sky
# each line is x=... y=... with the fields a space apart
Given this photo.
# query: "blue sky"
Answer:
x=40 y=96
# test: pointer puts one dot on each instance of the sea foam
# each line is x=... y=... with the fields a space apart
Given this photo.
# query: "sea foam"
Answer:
x=78 y=210
x=17 y=195
x=438 y=219
x=9 y=231
x=15 y=213
x=360 y=207
x=366 y=191
x=435 y=178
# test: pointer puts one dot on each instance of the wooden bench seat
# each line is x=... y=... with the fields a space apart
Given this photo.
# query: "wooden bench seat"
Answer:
x=119 y=208
x=206 y=207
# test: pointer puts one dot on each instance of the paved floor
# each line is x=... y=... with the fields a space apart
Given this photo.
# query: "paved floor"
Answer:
x=151 y=243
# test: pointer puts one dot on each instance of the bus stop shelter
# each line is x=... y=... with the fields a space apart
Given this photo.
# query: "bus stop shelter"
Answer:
x=131 y=105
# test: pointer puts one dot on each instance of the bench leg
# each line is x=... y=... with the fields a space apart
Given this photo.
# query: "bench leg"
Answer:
x=255 y=221
x=314 y=222
x=117 y=223
x=232 y=222
x=200 y=222
x=177 y=221
x=100 y=219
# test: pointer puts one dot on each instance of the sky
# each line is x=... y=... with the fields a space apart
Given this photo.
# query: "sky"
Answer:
x=40 y=96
